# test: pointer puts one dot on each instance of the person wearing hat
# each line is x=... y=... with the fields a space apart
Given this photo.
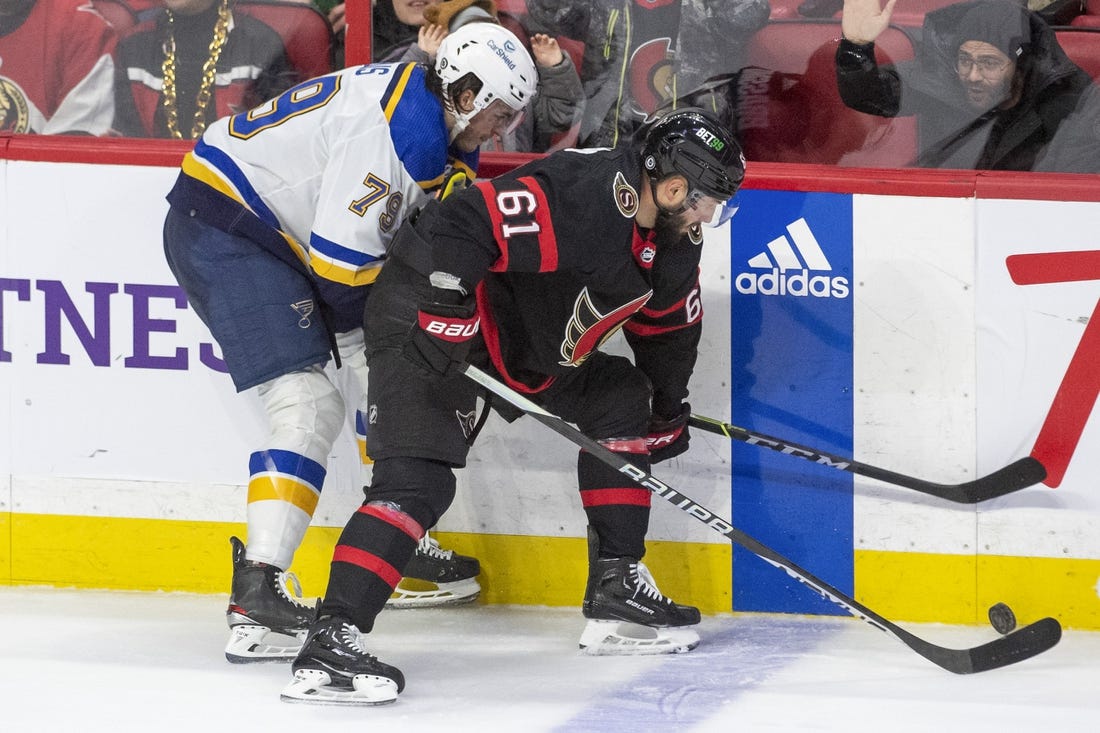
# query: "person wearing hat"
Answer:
x=989 y=85
x=559 y=102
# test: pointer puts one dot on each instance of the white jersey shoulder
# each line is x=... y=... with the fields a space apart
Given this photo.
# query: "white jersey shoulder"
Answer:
x=335 y=163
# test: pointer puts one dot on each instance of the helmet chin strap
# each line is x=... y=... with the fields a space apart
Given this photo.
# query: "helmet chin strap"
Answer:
x=461 y=119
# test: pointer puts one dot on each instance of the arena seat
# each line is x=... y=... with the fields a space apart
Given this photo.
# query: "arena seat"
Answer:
x=805 y=120
x=306 y=33
x=1091 y=17
x=515 y=7
x=1082 y=44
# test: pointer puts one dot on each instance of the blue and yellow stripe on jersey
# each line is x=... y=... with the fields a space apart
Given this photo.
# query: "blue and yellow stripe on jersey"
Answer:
x=218 y=171
x=342 y=264
x=418 y=129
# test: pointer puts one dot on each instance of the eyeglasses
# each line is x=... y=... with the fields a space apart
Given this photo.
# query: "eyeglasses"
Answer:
x=989 y=67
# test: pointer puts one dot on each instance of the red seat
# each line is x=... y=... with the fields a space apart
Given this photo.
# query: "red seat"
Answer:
x=117 y=13
x=804 y=120
x=1091 y=17
x=515 y=7
x=1082 y=45
x=306 y=33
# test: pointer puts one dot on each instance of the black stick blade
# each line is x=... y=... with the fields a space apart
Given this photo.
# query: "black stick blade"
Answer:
x=1013 y=477
x=1021 y=644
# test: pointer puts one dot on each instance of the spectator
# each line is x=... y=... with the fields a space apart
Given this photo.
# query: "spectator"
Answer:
x=1076 y=145
x=55 y=68
x=640 y=55
x=989 y=87
x=560 y=99
x=193 y=62
x=395 y=25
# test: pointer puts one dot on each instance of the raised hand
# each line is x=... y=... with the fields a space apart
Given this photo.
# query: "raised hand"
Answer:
x=429 y=37
x=862 y=21
x=546 y=50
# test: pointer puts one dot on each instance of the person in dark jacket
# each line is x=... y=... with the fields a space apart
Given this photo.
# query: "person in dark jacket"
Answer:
x=193 y=62
x=1076 y=146
x=989 y=85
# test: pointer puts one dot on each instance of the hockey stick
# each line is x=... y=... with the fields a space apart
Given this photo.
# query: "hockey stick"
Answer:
x=1013 y=477
x=1014 y=647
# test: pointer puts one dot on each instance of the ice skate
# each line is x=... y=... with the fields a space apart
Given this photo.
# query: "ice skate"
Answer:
x=267 y=619
x=628 y=615
x=436 y=577
x=333 y=668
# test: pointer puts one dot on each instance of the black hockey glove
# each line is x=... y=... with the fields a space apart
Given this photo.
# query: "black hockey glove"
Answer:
x=668 y=438
x=441 y=339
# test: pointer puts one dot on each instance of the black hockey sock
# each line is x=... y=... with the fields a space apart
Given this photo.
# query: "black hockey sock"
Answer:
x=617 y=509
x=368 y=561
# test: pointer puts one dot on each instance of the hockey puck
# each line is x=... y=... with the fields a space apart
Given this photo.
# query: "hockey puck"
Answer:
x=1002 y=618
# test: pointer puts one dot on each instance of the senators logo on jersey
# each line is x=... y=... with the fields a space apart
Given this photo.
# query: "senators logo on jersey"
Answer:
x=588 y=329
x=626 y=198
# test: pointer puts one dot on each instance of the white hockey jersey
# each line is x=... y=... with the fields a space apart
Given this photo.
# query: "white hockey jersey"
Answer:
x=334 y=164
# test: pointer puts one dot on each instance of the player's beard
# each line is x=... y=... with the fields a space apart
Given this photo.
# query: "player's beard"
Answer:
x=669 y=226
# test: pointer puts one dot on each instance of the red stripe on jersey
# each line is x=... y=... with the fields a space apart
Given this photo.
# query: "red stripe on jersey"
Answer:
x=548 y=240
x=401 y=520
x=650 y=313
x=368 y=561
x=491 y=335
x=649 y=330
x=518 y=212
x=488 y=193
x=606 y=497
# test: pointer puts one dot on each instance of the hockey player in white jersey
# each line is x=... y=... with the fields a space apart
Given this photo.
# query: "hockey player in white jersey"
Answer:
x=279 y=220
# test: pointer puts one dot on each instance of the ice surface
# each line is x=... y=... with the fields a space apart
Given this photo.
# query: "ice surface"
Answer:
x=78 y=660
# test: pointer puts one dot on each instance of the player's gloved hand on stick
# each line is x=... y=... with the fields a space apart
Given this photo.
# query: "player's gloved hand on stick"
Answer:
x=454 y=181
x=668 y=437
x=441 y=339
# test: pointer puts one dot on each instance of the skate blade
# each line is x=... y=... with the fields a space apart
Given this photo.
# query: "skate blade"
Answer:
x=314 y=686
x=443 y=594
x=251 y=644
x=621 y=638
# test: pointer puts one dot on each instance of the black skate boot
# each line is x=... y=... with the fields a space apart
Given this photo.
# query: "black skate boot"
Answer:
x=266 y=616
x=628 y=614
x=436 y=577
x=333 y=668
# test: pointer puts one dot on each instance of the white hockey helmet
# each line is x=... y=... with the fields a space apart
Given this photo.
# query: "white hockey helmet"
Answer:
x=497 y=58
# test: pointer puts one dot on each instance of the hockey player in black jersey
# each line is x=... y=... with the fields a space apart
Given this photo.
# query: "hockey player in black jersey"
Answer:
x=526 y=275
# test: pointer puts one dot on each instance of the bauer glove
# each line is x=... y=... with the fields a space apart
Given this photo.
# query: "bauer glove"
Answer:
x=440 y=340
x=668 y=438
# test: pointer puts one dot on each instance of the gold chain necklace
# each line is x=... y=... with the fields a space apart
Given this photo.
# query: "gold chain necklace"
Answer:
x=209 y=71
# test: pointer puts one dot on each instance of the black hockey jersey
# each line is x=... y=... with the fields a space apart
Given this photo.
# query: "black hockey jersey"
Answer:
x=560 y=266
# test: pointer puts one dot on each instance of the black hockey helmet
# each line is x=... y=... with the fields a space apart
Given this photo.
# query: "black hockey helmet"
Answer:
x=692 y=143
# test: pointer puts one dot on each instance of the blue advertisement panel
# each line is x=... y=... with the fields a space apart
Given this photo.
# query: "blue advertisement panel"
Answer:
x=791 y=377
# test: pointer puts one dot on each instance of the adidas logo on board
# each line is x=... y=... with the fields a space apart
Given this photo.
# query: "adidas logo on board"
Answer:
x=792 y=264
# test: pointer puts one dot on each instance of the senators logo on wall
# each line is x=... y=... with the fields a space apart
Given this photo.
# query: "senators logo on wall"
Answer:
x=14 y=116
